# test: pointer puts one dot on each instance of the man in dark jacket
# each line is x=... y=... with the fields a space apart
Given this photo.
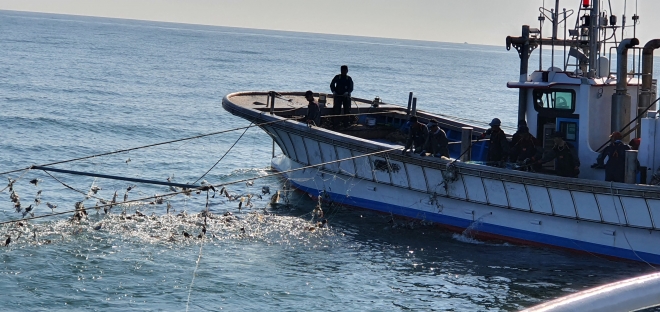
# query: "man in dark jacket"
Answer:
x=525 y=149
x=313 y=116
x=417 y=135
x=498 y=145
x=437 y=143
x=341 y=87
x=616 y=158
x=568 y=163
x=516 y=136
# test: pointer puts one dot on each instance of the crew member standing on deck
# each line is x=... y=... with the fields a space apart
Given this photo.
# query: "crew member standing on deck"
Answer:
x=341 y=87
x=498 y=145
x=616 y=159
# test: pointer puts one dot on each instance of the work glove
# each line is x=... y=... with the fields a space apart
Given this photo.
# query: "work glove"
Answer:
x=527 y=161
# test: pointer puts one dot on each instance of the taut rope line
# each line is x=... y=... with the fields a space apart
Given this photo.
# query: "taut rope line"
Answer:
x=204 y=187
x=150 y=145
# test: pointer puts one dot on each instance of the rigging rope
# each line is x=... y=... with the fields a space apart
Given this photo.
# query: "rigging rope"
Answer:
x=19 y=178
x=628 y=124
x=178 y=140
x=199 y=258
x=616 y=209
x=223 y=156
x=150 y=145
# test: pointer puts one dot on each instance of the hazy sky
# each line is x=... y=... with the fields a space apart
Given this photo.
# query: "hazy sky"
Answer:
x=474 y=21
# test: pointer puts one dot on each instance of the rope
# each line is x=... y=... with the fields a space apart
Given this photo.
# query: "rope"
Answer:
x=18 y=179
x=205 y=186
x=71 y=188
x=223 y=156
x=174 y=141
x=150 y=145
x=199 y=257
x=467 y=149
x=624 y=232
x=628 y=124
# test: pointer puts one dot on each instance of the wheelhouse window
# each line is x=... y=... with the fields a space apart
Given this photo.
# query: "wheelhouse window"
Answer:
x=561 y=101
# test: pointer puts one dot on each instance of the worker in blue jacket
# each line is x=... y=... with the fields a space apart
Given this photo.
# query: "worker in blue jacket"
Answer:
x=341 y=87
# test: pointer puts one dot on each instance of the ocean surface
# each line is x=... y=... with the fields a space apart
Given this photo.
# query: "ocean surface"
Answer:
x=77 y=86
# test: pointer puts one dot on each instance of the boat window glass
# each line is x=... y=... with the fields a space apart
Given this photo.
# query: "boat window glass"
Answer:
x=570 y=130
x=556 y=100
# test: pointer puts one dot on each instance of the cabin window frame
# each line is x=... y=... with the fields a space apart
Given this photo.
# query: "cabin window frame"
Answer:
x=547 y=92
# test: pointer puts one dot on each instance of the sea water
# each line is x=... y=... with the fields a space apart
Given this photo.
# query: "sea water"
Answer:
x=77 y=86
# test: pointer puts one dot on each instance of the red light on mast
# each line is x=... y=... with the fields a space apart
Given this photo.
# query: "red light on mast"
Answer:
x=585 y=3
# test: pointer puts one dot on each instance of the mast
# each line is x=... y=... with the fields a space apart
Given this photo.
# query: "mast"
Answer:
x=524 y=68
x=594 y=45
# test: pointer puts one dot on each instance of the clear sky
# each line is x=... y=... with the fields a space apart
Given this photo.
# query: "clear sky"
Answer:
x=473 y=21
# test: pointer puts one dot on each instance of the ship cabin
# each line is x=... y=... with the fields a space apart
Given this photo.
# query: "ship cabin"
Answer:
x=603 y=84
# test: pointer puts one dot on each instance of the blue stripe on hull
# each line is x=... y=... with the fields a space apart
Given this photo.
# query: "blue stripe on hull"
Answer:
x=501 y=231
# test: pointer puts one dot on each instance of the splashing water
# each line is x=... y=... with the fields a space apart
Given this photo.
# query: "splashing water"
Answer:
x=468 y=235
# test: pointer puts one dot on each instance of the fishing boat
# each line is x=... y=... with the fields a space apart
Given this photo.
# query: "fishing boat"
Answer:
x=580 y=96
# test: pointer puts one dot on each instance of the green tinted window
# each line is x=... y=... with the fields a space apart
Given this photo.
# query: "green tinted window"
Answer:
x=554 y=100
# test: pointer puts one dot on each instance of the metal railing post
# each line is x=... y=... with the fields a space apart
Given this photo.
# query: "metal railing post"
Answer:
x=414 y=106
x=466 y=143
x=631 y=167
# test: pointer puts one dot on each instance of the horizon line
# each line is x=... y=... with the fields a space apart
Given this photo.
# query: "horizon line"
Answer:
x=239 y=27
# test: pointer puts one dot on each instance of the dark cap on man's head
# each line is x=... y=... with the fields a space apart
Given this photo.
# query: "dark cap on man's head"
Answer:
x=523 y=129
x=309 y=93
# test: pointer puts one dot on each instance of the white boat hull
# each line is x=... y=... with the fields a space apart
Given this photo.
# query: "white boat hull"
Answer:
x=493 y=222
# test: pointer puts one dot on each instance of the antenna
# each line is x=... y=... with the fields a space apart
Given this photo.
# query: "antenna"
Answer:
x=635 y=19
x=623 y=20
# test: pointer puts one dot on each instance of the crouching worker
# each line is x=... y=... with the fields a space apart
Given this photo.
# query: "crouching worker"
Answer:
x=568 y=163
x=416 y=136
x=313 y=116
x=525 y=150
x=437 y=143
